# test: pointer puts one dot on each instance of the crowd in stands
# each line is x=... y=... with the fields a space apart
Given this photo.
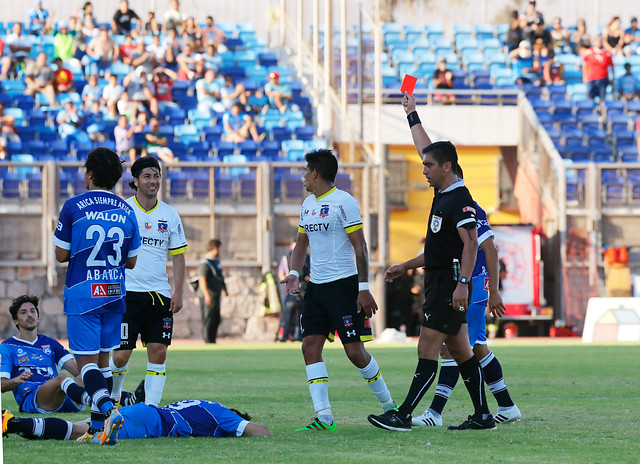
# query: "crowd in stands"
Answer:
x=167 y=86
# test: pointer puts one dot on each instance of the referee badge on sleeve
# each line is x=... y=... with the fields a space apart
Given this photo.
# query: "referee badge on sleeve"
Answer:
x=436 y=224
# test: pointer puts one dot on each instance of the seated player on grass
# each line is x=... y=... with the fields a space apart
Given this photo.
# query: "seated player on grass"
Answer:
x=30 y=364
x=188 y=418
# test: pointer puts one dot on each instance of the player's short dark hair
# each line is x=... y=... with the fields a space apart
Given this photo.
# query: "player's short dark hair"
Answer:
x=244 y=415
x=22 y=299
x=105 y=166
x=141 y=164
x=214 y=243
x=442 y=152
x=323 y=161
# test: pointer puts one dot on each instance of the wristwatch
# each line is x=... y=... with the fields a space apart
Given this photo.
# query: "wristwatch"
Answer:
x=463 y=280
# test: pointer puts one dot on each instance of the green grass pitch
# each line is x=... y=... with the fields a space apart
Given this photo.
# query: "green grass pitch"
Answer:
x=579 y=403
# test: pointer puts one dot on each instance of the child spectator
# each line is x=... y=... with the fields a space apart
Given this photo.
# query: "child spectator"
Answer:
x=278 y=94
x=62 y=77
x=123 y=134
x=231 y=93
x=91 y=92
x=238 y=126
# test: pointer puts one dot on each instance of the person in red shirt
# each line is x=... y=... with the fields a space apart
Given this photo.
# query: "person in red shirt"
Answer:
x=126 y=49
x=595 y=69
x=163 y=79
x=62 y=77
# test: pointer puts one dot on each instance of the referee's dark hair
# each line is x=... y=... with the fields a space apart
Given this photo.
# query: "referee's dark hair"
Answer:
x=442 y=152
x=457 y=170
x=139 y=165
x=323 y=161
x=22 y=299
x=105 y=166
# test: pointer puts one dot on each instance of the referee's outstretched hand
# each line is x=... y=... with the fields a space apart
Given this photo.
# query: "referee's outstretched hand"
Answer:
x=292 y=286
x=366 y=303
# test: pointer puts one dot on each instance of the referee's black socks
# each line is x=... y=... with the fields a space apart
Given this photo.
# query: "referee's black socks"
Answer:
x=422 y=380
x=471 y=373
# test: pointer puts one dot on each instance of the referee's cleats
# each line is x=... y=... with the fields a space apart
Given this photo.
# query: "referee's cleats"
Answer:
x=427 y=419
x=476 y=422
x=504 y=416
x=111 y=427
x=391 y=420
x=318 y=426
x=6 y=417
x=138 y=396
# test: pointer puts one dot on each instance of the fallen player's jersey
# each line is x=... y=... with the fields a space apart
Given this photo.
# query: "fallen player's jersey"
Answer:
x=189 y=418
x=43 y=358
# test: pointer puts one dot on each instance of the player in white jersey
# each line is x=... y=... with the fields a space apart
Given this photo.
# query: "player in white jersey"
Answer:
x=337 y=297
x=150 y=304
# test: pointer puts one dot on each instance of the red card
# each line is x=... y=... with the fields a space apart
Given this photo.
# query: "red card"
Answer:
x=408 y=84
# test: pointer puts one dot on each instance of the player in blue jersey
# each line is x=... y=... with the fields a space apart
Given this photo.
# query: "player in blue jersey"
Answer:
x=97 y=234
x=189 y=418
x=30 y=364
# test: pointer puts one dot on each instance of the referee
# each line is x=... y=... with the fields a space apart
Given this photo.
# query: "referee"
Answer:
x=450 y=251
x=150 y=304
x=337 y=297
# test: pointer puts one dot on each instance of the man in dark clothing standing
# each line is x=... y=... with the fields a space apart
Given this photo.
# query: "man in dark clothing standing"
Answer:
x=210 y=287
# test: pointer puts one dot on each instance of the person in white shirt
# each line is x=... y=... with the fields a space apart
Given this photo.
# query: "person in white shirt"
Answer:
x=19 y=47
x=150 y=303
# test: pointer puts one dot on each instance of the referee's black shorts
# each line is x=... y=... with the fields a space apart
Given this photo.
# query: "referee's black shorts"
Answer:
x=439 y=315
x=148 y=315
x=332 y=307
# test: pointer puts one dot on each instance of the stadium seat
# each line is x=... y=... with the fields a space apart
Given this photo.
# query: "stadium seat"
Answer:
x=186 y=133
x=236 y=159
x=11 y=185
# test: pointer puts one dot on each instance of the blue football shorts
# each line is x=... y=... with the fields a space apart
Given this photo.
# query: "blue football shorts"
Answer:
x=30 y=404
x=476 y=311
x=92 y=333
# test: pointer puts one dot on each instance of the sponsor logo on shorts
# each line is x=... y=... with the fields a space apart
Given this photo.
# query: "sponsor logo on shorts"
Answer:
x=324 y=211
x=166 y=335
x=104 y=290
x=347 y=320
x=163 y=226
x=367 y=323
x=166 y=323
x=486 y=283
x=351 y=333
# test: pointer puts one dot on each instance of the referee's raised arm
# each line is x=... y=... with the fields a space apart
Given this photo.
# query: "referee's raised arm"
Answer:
x=420 y=137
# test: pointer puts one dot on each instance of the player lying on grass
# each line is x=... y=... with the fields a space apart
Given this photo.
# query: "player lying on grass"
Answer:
x=188 y=418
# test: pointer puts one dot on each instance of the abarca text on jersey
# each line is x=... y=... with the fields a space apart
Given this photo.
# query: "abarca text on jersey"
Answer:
x=326 y=220
x=101 y=232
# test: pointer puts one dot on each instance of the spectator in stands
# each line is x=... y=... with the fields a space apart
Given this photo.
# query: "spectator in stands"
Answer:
x=627 y=85
x=199 y=70
x=162 y=81
x=560 y=39
x=111 y=94
x=8 y=125
x=633 y=27
x=62 y=77
x=208 y=93
x=580 y=39
x=3 y=148
x=516 y=30
x=186 y=62
x=552 y=70
x=522 y=62
x=157 y=51
x=88 y=23
x=638 y=134
x=257 y=101
x=126 y=48
x=231 y=92
x=19 y=49
x=190 y=31
x=91 y=92
x=1 y=46
x=140 y=57
x=595 y=70
x=533 y=14
x=101 y=52
x=128 y=107
x=213 y=34
x=151 y=26
x=173 y=49
x=443 y=79
x=538 y=33
x=123 y=134
x=630 y=44
x=69 y=122
x=63 y=42
x=94 y=121
x=173 y=17
x=39 y=78
x=38 y=19
x=156 y=144
x=211 y=59
x=238 y=126
x=279 y=95
x=139 y=89
x=613 y=36
x=79 y=42
x=125 y=21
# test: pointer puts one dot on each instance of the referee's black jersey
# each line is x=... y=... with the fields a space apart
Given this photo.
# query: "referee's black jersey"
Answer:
x=451 y=208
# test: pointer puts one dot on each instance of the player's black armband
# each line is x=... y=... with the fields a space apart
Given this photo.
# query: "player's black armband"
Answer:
x=413 y=119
